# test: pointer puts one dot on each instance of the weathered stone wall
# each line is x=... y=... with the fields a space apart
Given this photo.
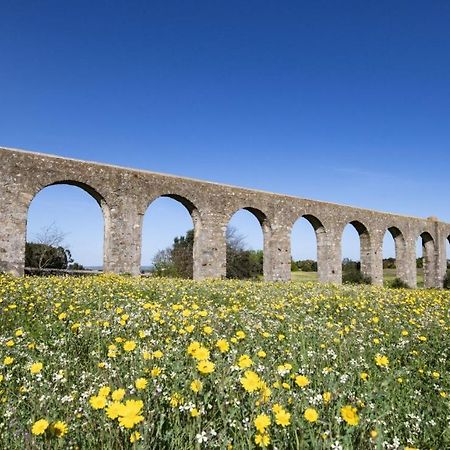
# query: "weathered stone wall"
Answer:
x=125 y=194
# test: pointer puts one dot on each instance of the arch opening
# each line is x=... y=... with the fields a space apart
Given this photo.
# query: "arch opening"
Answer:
x=355 y=251
x=425 y=260
x=245 y=239
x=170 y=226
x=307 y=236
x=394 y=256
x=65 y=228
x=447 y=263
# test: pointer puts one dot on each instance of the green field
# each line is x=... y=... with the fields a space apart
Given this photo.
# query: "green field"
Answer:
x=389 y=275
x=145 y=363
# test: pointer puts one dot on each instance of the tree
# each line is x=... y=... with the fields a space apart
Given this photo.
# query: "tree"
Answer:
x=43 y=256
x=48 y=251
x=177 y=260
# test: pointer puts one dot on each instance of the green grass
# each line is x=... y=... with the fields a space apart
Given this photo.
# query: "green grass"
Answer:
x=388 y=275
x=271 y=351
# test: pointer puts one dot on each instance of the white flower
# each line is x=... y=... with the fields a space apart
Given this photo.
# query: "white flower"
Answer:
x=201 y=437
x=336 y=446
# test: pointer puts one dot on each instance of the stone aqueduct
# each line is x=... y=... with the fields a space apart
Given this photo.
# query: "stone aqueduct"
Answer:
x=124 y=195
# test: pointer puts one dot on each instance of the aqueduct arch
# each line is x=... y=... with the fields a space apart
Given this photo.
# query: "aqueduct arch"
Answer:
x=124 y=194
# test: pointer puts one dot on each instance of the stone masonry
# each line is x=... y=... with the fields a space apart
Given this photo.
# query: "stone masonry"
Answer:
x=125 y=194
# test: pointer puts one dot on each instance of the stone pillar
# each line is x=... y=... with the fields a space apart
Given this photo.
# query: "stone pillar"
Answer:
x=441 y=254
x=407 y=269
x=329 y=256
x=13 y=227
x=210 y=251
x=429 y=260
x=123 y=237
x=372 y=257
x=277 y=253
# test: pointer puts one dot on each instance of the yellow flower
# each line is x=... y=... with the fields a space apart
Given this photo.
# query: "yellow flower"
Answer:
x=59 y=428
x=131 y=413
x=205 y=367
x=39 y=427
x=301 y=381
x=104 y=391
x=19 y=333
x=207 y=329
x=283 y=418
x=141 y=383
x=195 y=412
x=135 y=436
x=262 y=440
x=118 y=395
x=262 y=354
x=364 y=376
x=262 y=421
x=113 y=410
x=201 y=353
x=311 y=415
x=223 y=345
x=240 y=335
x=129 y=346
x=276 y=408
x=10 y=343
x=326 y=397
x=373 y=434
x=36 y=367
x=381 y=361
x=97 y=402
x=158 y=354
x=193 y=347
x=196 y=386
x=349 y=414
x=176 y=399
x=155 y=372
x=8 y=360
x=244 y=362
x=250 y=381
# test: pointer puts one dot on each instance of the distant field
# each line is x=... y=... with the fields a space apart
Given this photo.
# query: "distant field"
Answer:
x=389 y=275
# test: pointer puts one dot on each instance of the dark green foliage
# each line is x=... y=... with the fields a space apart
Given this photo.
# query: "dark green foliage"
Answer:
x=307 y=265
x=351 y=272
x=177 y=261
x=243 y=264
x=389 y=263
x=352 y=276
x=447 y=280
x=76 y=266
x=397 y=283
x=44 y=256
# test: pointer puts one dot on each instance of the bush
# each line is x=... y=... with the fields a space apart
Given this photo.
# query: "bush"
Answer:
x=397 y=283
x=354 y=276
x=447 y=280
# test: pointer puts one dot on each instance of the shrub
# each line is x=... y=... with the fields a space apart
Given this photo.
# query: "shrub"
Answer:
x=354 y=276
x=447 y=280
x=397 y=283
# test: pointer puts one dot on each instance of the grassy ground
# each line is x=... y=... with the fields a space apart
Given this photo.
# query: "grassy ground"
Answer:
x=389 y=275
x=145 y=363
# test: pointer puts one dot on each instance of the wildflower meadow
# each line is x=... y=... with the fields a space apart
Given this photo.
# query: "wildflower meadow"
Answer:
x=115 y=362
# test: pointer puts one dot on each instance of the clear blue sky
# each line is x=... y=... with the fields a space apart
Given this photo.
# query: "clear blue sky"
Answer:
x=346 y=101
